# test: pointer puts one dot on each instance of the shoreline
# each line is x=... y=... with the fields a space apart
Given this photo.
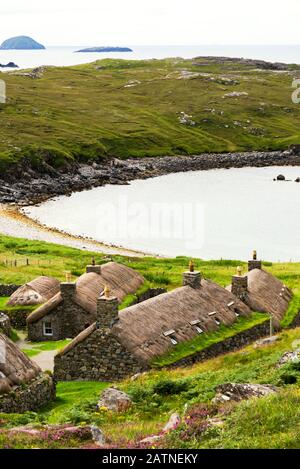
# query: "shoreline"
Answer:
x=28 y=186
x=14 y=223
x=15 y=195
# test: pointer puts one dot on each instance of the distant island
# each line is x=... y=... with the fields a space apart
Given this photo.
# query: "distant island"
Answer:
x=9 y=65
x=106 y=49
x=21 y=43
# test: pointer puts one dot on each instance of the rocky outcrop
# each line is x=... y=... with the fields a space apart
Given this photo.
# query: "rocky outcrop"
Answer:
x=289 y=357
x=25 y=185
x=237 y=392
x=115 y=400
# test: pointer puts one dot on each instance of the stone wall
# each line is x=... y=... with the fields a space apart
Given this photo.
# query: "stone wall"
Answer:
x=296 y=321
x=100 y=357
x=231 y=344
x=151 y=293
x=68 y=319
x=17 y=317
x=8 y=290
x=29 y=397
x=5 y=325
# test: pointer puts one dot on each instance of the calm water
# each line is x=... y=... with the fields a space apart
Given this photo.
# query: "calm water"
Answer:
x=209 y=214
x=61 y=56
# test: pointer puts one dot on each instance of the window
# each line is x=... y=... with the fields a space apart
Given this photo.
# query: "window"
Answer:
x=231 y=304
x=171 y=336
x=47 y=326
x=217 y=321
x=196 y=326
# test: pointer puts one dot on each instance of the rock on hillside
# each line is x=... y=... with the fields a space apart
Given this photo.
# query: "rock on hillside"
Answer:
x=21 y=43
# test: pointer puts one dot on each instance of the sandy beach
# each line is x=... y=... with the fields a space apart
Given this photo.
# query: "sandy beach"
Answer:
x=14 y=223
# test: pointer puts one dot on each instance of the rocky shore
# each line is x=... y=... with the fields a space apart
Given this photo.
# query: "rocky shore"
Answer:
x=26 y=185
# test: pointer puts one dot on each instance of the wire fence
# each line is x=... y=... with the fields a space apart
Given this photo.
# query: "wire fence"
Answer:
x=18 y=262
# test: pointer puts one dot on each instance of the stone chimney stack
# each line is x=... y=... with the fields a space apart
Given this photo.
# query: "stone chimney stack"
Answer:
x=254 y=263
x=107 y=309
x=68 y=290
x=239 y=285
x=93 y=268
x=191 y=278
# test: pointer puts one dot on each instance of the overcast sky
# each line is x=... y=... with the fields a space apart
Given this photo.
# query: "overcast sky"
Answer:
x=152 y=22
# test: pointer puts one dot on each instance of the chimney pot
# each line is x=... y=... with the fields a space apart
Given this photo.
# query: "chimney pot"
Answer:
x=107 y=311
x=239 y=285
x=93 y=268
x=192 y=279
x=67 y=290
x=254 y=263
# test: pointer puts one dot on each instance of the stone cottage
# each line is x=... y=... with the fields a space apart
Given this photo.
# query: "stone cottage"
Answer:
x=74 y=307
x=261 y=291
x=122 y=343
x=23 y=386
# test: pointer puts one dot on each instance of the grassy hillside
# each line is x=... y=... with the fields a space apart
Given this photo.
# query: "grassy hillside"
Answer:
x=133 y=108
x=271 y=422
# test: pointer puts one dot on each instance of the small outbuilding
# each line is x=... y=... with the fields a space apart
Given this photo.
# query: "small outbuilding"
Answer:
x=261 y=291
x=23 y=386
x=74 y=307
x=36 y=292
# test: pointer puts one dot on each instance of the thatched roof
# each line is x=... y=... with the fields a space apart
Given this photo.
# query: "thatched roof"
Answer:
x=120 y=279
x=267 y=294
x=146 y=329
x=35 y=292
x=15 y=367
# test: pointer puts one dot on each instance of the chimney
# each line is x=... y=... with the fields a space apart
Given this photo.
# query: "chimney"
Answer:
x=239 y=285
x=107 y=309
x=191 y=278
x=254 y=263
x=93 y=268
x=67 y=290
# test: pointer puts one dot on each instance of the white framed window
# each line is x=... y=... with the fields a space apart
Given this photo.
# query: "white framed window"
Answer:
x=47 y=328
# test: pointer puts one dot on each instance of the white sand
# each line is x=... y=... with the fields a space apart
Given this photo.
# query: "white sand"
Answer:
x=14 y=223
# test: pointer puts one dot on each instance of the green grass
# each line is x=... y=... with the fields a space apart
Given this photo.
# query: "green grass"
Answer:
x=271 y=422
x=86 y=112
x=35 y=348
x=193 y=346
x=5 y=307
x=294 y=308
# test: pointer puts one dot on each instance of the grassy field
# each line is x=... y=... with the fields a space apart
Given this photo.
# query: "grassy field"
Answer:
x=271 y=422
x=133 y=108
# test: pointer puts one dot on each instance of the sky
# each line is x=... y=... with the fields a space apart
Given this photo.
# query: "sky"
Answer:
x=151 y=22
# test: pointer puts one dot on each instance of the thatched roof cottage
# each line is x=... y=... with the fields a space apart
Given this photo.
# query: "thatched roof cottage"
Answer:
x=23 y=386
x=36 y=292
x=261 y=291
x=125 y=342
x=74 y=307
